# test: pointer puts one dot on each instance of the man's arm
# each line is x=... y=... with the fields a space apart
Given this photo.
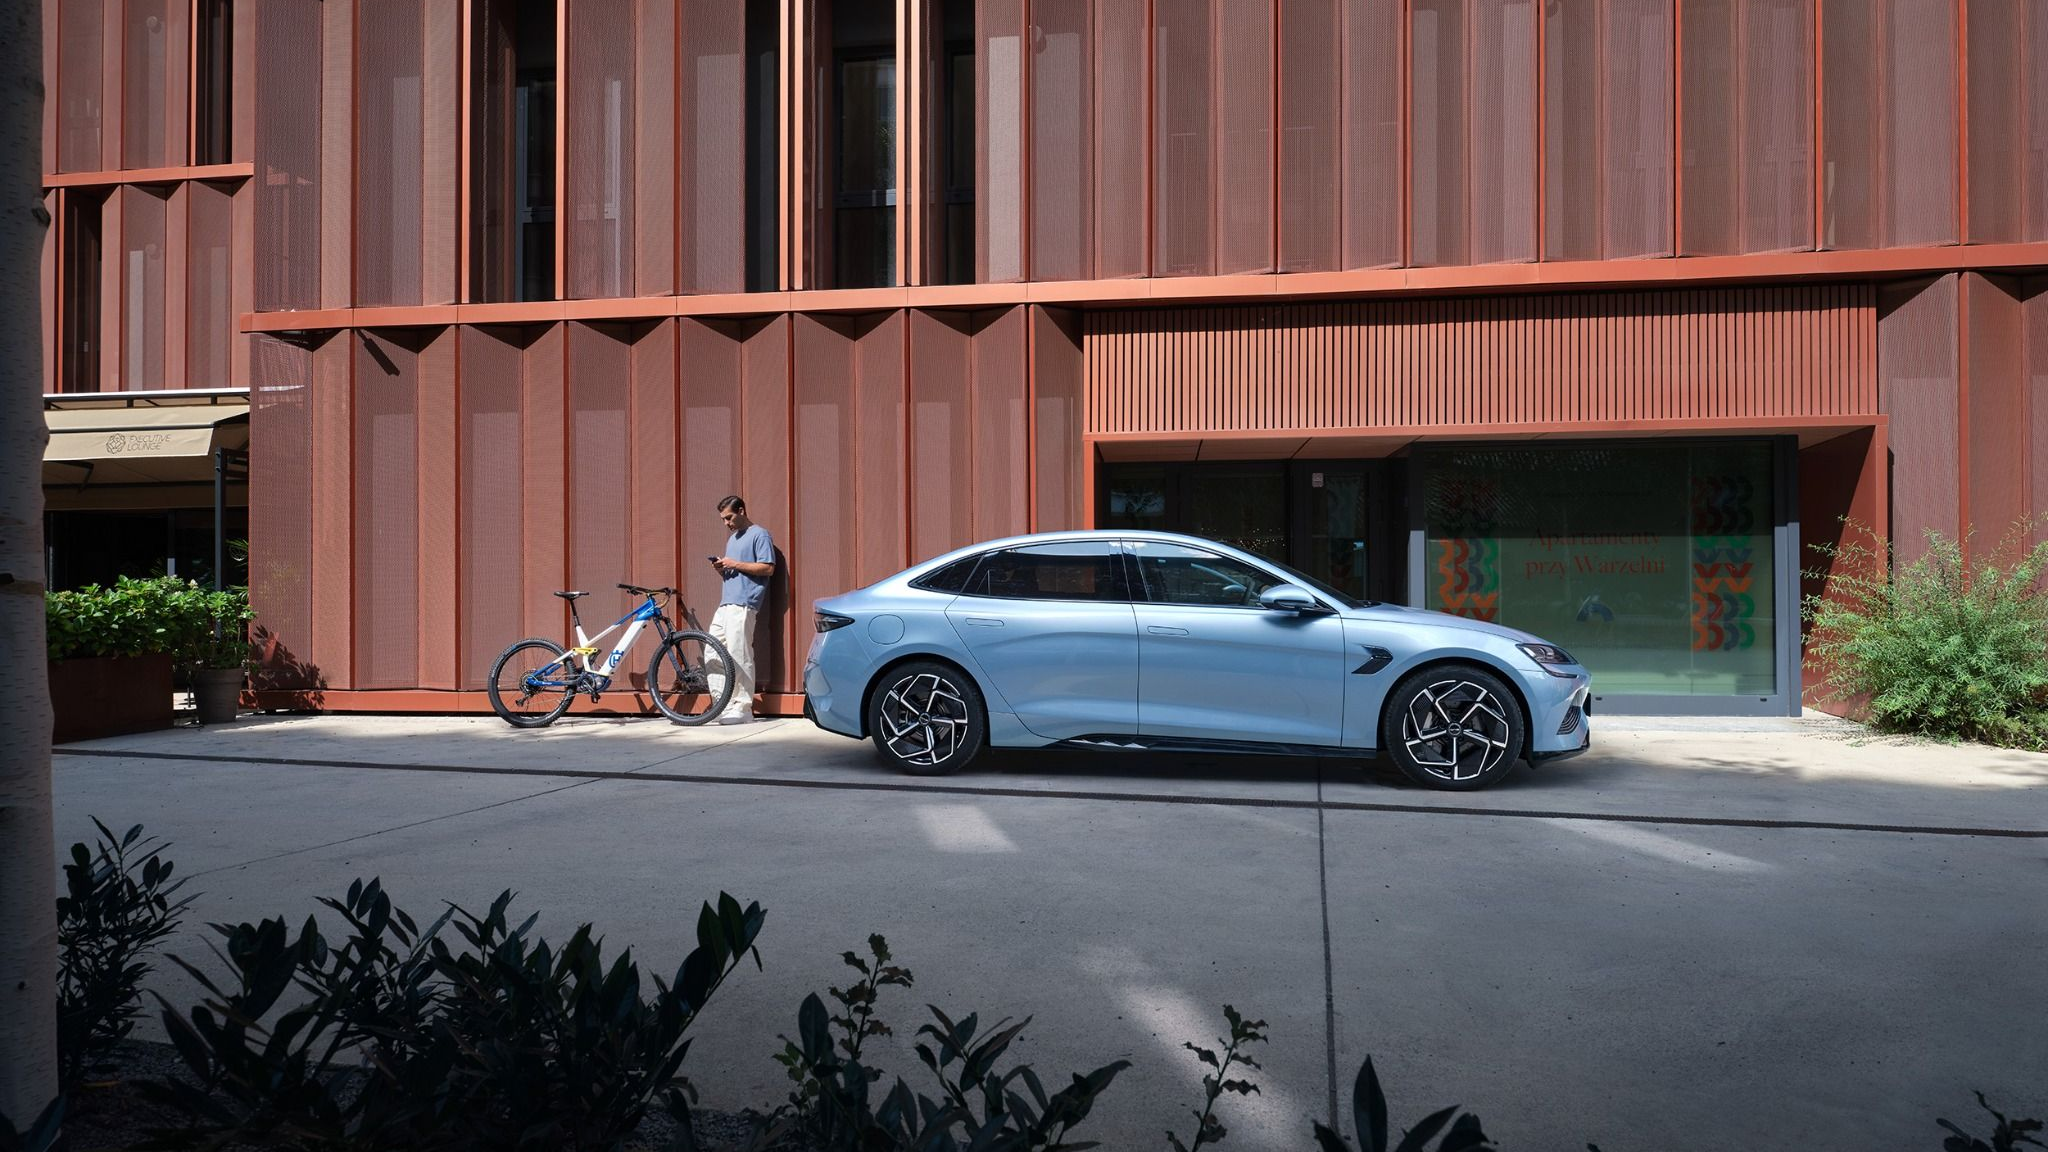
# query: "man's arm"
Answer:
x=758 y=569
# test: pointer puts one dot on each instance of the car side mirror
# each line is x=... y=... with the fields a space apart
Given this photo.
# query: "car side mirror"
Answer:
x=1291 y=598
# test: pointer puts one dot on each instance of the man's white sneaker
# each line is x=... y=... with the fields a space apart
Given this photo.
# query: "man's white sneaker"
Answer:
x=735 y=718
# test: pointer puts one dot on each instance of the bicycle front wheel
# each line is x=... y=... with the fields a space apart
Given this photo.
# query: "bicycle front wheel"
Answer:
x=690 y=677
x=532 y=684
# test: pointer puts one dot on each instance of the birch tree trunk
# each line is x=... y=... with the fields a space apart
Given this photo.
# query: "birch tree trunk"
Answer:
x=28 y=921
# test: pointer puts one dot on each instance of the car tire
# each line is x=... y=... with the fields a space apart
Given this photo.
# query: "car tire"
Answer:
x=1455 y=727
x=928 y=718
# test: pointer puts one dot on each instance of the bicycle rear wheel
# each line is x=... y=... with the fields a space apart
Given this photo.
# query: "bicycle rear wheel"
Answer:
x=688 y=677
x=530 y=684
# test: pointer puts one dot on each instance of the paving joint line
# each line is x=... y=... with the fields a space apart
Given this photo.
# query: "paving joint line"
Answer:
x=641 y=774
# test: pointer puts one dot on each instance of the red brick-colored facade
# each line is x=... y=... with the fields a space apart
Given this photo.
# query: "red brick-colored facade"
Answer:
x=1215 y=229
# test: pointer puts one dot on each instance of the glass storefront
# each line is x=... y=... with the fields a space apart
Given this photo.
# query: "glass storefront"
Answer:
x=1653 y=563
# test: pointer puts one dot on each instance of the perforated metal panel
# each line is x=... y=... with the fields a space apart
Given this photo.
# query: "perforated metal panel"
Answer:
x=437 y=419
x=1501 y=131
x=1002 y=494
x=1183 y=139
x=2034 y=320
x=386 y=535
x=440 y=153
x=1998 y=436
x=280 y=520
x=390 y=108
x=156 y=60
x=333 y=247
x=600 y=368
x=1607 y=129
x=2036 y=97
x=492 y=485
x=1889 y=122
x=1062 y=108
x=1439 y=177
x=1999 y=109
x=544 y=511
x=764 y=482
x=210 y=270
x=600 y=138
x=143 y=257
x=999 y=166
x=1121 y=150
x=712 y=156
x=1375 y=76
x=79 y=69
x=828 y=518
x=710 y=355
x=333 y=515
x=1748 y=122
x=1056 y=419
x=286 y=261
x=1917 y=388
x=1245 y=155
x=651 y=552
x=654 y=149
x=1312 y=110
x=941 y=434
x=880 y=411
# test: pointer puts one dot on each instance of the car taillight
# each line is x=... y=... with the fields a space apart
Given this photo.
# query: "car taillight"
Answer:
x=827 y=621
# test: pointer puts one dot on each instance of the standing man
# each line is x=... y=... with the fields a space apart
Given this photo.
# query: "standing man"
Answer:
x=748 y=562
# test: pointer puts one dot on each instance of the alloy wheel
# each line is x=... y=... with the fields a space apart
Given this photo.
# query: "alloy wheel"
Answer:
x=1456 y=729
x=924 y=719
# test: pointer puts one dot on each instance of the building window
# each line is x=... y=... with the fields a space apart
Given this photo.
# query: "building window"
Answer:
x=213 y=83
x=1652 y=563
x=79 y=315
x=954 y=144
x=861 y=236
x=512 y=162
x=763 y=118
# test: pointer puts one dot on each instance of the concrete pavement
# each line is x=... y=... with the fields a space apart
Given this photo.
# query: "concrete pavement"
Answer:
x=1771 y=934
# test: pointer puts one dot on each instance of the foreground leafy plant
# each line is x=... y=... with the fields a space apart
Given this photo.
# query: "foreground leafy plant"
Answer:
x=119 y=903
x=1937 y=647
x=1208 y=1130
x=977 y=1107
x=1369 y=1117
x=501 y=1042
x=2006 y=1136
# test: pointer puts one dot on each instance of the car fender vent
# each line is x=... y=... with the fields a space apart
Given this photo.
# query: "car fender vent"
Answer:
x=1571 y=721
x=1375 y=659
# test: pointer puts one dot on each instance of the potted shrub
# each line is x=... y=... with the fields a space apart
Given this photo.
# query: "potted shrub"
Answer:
x=217 y=652
x=111 y=652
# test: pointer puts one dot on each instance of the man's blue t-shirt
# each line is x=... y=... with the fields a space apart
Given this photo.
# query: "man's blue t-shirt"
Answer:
x=754 y=547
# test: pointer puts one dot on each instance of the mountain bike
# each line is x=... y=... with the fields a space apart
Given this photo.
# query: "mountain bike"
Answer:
x=535 y=680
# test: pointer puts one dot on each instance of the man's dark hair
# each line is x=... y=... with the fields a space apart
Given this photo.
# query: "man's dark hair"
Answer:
x=732 y=504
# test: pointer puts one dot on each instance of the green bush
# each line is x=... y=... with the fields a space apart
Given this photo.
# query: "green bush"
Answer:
x=399 y=1040
x=1943 y=646
x=119 y=902
x=138 y=616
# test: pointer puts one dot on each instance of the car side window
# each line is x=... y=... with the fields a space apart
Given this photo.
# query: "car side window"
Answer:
x=953 y=577
x=1177 y=574
x=1069 y=570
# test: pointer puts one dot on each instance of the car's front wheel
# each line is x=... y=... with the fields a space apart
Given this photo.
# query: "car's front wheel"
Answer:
x=928 y=718
x=1455 y=727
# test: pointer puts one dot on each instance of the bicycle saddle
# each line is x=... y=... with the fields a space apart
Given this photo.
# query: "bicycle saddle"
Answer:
x=571 y=595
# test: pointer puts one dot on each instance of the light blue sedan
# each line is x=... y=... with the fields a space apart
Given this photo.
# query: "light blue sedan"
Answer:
x=1150 y=640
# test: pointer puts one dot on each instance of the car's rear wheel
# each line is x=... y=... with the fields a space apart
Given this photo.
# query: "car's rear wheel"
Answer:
x=928 y=718
x=1455 y=727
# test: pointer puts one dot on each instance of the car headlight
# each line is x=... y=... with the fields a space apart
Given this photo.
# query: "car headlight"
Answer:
x=827 y=621
x=1548 y=657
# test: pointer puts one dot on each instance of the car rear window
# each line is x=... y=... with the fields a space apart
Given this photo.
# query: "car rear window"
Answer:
x=1074 y=570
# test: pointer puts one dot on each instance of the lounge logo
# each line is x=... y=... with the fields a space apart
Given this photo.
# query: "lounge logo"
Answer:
x=128 y=443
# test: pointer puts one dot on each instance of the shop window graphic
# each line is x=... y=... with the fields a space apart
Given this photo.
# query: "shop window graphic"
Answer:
x=1468 y=557
x=1723 y=520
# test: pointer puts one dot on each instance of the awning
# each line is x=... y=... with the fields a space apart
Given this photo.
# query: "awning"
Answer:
x=107 y=449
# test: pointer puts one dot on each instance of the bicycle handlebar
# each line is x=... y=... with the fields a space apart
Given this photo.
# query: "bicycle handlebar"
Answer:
x=639 y=591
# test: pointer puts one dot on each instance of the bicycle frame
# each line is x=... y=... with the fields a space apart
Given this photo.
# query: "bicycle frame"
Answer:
x=587 y=647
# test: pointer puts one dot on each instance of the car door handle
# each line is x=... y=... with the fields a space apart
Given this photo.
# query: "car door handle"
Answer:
x=1163 y=630
x=984 y=621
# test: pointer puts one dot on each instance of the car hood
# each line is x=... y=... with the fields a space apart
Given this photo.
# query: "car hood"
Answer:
x=1434 y=619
